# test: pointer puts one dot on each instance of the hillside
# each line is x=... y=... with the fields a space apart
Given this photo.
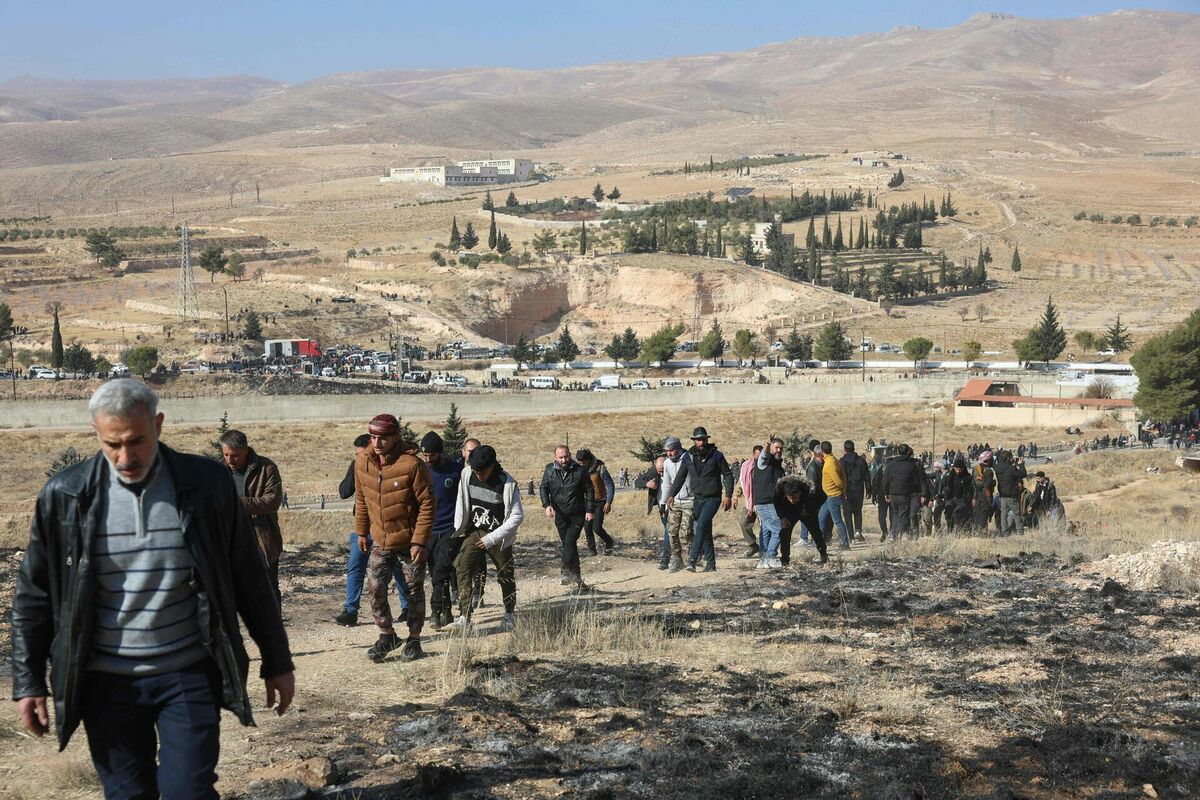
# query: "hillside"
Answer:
x=1124 y=80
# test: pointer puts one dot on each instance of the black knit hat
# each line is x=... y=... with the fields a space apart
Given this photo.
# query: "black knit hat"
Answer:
x=482 y=457
x=432 y=443
x=584 y=455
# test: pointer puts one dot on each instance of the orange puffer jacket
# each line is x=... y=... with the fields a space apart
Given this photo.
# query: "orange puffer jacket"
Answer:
x=393 y=503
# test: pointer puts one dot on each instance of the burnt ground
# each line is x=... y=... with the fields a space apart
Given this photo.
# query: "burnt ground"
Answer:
x=907 y=678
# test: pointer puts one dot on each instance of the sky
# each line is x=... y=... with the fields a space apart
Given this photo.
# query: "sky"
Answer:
x=300 y=40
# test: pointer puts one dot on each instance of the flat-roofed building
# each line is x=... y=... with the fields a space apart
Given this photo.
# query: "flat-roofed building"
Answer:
x=465 y=173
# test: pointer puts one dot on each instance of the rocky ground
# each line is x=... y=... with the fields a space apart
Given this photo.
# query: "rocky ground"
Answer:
x=883 y=675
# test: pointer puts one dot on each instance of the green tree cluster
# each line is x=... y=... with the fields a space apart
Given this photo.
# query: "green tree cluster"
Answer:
x=1168 y=370
x=660 y=346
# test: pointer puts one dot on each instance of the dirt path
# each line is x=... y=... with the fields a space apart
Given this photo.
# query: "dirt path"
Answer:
x=1104 y=494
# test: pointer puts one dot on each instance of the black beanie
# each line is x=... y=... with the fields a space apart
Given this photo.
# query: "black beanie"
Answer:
x=432 y=443
x=482 y=457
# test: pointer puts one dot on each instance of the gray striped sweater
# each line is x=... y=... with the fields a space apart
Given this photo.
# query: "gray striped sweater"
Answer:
x=145 y=606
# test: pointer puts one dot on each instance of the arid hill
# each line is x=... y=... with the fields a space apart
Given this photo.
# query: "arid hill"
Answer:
x=1125 y=80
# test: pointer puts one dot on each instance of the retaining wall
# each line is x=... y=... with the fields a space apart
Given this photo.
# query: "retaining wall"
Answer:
x=474 y=405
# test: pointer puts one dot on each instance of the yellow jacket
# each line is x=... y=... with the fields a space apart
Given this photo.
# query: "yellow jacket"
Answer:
x=833 y=479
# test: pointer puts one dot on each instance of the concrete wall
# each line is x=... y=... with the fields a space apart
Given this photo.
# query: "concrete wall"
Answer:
x=1034 y=416
x=296 y=408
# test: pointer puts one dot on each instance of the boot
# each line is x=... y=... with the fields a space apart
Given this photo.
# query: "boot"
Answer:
x=386 y=643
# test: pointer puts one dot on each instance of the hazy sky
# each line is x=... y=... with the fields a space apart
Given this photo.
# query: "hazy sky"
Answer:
x=298 y=40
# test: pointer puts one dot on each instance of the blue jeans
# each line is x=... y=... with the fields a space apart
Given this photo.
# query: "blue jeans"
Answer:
x=705 y=510
x=768 y=533
x=832 y=510
x=175 y=716
x=356 y=574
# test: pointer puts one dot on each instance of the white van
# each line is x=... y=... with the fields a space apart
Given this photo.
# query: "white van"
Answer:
x=670 y=382
x=543 y=383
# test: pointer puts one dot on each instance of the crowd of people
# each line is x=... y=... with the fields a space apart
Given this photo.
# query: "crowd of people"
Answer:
x=144 y=564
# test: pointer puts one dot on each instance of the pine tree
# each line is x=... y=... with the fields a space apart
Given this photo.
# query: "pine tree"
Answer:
x=838 y=242
x=488 y=205
x=566 y=348
x=598 y=193
x=746 y=253
x=454 y=433
x=216 y=451
x=455 y=237
x=252 y=327
x=810 y=239
x=831 y=343
x=583 y=238
x=1016 y=260
x=470 y=237
x=511 y=201
x=492 y=233
x=1048 y=338
x=1117 y=337
x=503 y=245
x=713 y=344
x=522 y=352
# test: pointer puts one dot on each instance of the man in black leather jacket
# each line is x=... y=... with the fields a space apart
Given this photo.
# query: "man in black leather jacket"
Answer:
x=98 y=678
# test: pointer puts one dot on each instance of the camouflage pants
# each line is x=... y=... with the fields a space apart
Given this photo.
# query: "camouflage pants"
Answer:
x=380 y=566
x=679 y=528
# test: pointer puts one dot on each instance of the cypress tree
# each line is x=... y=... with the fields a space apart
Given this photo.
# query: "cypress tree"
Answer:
x=810 y=239
x=1016 y=259
x=826 y=234
x=492 y=233
x=838 y=242
x=583 y=239
x=942 y=271
x=455 y=236
x=720 y=244
x=710 y=163
x=56 y=342
x=849 y=232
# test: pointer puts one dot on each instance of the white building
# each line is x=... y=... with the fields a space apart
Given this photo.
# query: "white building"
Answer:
x=758 y=239
x=465 y=173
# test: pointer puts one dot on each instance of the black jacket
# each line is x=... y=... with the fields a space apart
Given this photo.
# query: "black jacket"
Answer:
x=52 y=610
x=346 y=487
x=763 y=479
x=800 y=511
x=957 y=488
x=816 y=495
x=568 y=491
x=710 y=474
x=857 y=472
x=904 y=476
x=1009 y=478
x=642 y=482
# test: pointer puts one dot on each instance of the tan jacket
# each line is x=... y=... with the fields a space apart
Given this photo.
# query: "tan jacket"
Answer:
x=264 y=493
x=394 y=504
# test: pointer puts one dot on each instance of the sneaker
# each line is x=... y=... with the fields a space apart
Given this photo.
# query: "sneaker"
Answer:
x=411 y=650
x=843 y=545
x=508 y=623
x=762 y=564
x=566 y=580
x=783 y=562
x=459 y=624
x=676 y=565
x=608 y=549
x=347 y=619
x=386 y=643
x=580 y=588
x=593 y=551
x=691 y=567
x=436 y=622
x=774 y=563
x=711 y=567
x=858 y=537
x=663 y=564
x=751 y=553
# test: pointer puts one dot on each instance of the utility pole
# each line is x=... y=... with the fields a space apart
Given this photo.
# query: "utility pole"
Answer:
x=862 y=350
x=257 y=196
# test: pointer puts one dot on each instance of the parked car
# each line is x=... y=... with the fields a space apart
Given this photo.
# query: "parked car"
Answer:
x=640 y=385
x=46 y=373
x=328 y=372
x=343 y=298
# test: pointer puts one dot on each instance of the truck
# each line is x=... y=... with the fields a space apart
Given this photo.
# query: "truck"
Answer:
x=285 y=348
x=606 y=382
